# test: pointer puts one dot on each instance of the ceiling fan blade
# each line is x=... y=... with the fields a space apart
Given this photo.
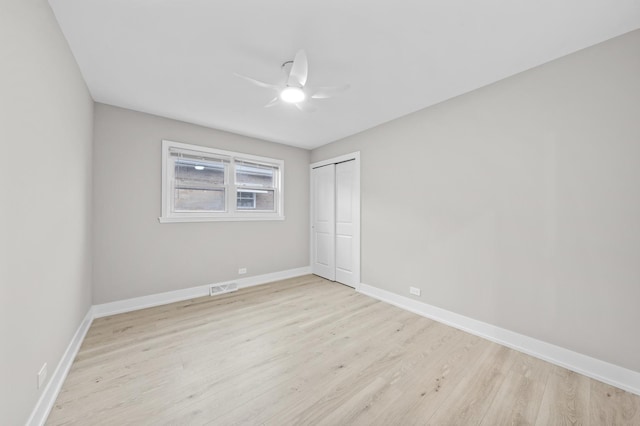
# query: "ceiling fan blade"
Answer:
x=305 y=107
x=299 y=70
x=328 y=92
x=257 y=82
x=273 y=102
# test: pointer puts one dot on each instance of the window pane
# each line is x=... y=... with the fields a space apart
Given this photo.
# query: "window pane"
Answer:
x=199 y=185
x=252 y=174
x=256 y=199
x=191 y=199
x=198 y=174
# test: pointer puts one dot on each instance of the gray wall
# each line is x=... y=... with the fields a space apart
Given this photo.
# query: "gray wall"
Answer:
x=135 y=255
x=45 y=190
x=517 y=204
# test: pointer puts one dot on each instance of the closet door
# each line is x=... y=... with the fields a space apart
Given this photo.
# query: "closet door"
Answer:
x=345 y=227
x=323 y=256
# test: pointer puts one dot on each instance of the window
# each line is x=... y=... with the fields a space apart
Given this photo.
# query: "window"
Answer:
x=205 y=184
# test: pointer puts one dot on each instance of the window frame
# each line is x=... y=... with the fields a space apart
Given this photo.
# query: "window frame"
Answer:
x=232 y=212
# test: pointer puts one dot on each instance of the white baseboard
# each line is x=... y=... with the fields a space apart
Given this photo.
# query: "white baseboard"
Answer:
x=611 y=374
x=50 y=393
x=127 y=305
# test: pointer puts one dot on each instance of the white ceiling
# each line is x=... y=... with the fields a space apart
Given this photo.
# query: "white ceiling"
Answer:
x=177 y=58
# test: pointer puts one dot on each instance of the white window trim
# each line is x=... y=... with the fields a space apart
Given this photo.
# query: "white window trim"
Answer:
x=232 y=214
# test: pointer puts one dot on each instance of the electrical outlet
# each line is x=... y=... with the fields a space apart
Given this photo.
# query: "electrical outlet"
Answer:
x=414 y=290
x=42 y=375
x=242 y=271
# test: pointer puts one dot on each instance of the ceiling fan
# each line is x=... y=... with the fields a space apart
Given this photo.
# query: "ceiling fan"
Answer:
x=295 y=90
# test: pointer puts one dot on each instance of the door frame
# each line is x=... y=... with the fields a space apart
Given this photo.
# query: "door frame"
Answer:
x=355 y=156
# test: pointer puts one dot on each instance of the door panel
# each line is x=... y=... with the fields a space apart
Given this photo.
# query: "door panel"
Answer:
x=323 y=250
x=345 y=179
x=323 y=208
x=343 y=252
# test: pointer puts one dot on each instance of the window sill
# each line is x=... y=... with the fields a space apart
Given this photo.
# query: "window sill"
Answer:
x=218 y=219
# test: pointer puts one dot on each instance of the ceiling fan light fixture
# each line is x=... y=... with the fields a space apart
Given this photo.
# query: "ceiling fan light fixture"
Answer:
x=295 y=90
x=292 y=95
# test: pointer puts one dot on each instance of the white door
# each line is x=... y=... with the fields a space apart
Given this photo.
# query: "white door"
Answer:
x=345 y=210
x=323 y=260
x=335 y=219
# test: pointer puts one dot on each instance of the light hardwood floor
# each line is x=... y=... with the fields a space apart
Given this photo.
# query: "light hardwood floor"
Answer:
x=309 y=351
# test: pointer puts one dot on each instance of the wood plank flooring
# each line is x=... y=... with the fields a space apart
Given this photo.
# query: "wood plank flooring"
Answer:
x=309 y=351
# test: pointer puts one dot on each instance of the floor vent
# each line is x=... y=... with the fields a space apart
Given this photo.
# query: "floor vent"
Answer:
x=215 y=289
